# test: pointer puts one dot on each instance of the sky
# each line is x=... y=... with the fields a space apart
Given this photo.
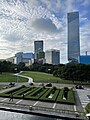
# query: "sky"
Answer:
x=24 y=21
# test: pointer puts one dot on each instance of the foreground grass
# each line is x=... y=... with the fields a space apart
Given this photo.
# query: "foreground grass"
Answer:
x=6 y=77
x=45 y=77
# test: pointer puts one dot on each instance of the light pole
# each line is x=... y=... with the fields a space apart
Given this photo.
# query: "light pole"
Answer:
x=49 y=71
x=16 y=75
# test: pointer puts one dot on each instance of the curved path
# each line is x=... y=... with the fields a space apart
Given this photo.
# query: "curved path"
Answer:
x=30 y=80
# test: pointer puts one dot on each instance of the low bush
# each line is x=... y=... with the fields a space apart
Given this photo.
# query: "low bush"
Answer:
x=24 y=95
x=70 y=97
x=13 y=91
x=37 y=93
x=87 y=108
x=42 y=94
x=50 y=91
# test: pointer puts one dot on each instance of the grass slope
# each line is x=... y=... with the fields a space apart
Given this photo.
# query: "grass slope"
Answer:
x=11 y=78
x=41 y=77
x=45 y=77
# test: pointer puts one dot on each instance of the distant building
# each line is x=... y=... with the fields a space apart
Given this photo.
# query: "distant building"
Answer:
x=38 y=47
x=18 y=57
x=52 y=56
x=84 y=59
x=11 y=59
x=73 y=36
x=27 y=58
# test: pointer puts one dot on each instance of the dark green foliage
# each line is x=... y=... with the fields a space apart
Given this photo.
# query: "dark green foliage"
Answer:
x=65 y=93
x=87 y=108
x=70 y=97
x=45 y=97
x=36 y=94
x=41 y=93
x=13 y=91
x=79 y=72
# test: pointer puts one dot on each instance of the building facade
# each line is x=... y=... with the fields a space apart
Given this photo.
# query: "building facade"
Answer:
x=84 y=59
x=27 y=58
x=73 y=36
x=38 y=47
x=52 y=56
x=18 y=57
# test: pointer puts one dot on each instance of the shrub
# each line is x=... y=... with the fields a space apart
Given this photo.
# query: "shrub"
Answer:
x=87 y=108
x=70 y=97
x=37 y=93
x=47 y=94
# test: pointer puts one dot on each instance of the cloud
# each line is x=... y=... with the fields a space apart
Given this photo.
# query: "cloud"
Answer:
x=85 y=37
x=86 y=3
x=24 y=21
x=13 y=37
x=45 y=25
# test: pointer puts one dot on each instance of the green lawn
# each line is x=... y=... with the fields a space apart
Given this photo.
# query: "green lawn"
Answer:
x=6 y=77
x=41 y=77
x=45 y=77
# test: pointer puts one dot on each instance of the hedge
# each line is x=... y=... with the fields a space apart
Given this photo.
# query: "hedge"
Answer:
x=70 y=97
x=87 y=108
x=37 y=93
x=7 y=93
x=30 y=90
x=41 y=93
x=46 y=95
x=15 y=89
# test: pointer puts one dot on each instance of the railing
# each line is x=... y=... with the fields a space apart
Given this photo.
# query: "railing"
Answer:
x=39 y=109
x=58 y=111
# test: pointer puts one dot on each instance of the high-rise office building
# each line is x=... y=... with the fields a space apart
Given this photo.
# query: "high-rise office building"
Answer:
x=38 y=47
x=73 y=36
x=52 y=56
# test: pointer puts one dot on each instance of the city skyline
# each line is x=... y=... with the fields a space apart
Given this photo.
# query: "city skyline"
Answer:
x=22 y=22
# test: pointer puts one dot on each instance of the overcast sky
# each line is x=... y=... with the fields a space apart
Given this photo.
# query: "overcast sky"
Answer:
x=24 y=21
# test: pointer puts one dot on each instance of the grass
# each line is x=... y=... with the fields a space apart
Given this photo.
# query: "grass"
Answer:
x=45 y=77
x=41 y=77
x=6 y=77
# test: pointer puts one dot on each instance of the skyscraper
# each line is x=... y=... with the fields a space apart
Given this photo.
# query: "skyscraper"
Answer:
x=73 y=36
x=38 y=47
x=52 y=56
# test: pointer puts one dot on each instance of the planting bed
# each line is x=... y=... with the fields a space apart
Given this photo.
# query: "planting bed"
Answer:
x=42 y=94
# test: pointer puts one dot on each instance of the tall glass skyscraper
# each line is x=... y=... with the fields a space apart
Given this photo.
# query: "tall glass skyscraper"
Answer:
x=38 y=47
x=73 y=36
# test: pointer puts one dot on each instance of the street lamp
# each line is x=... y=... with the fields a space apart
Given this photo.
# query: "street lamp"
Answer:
x=49 y=70
x=16 y=75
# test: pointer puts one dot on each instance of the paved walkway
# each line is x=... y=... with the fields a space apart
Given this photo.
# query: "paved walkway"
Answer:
x=84 y=96
x=30 y=80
